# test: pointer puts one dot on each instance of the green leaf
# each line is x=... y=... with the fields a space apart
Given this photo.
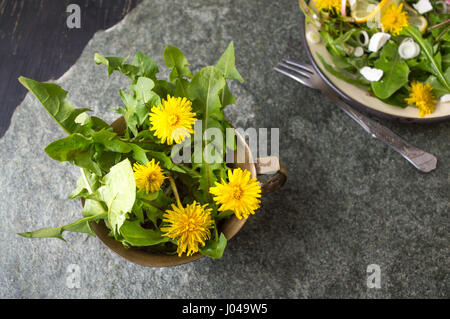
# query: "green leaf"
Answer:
x=146 y=66
x=117 y=64
x=111 y=141
x=226 y=64
x=142 y=65
x=427 y=50
x=215 y=248
x=177 y=62
x=135 y=235
x=139 y=154
x=341 y=75
x=143 y=89
x=205 y=88
x=66 y=149
x=80 y=226
x=166 y=161
x=53 y=98
x=119 y=193
x=226 y=97
x=129 y=112
x=396 y=72
x=92 y=208
x=86 y=184
x=438 y=89
x=75 y=149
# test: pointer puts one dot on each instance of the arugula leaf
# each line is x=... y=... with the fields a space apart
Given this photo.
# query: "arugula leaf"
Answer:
x=396 y=72
x=53 y=98
x=119 y=193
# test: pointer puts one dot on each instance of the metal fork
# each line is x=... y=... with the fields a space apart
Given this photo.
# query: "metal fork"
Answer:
x=306 y=75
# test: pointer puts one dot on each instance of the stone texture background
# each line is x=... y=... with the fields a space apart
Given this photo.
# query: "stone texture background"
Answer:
x=350 y=201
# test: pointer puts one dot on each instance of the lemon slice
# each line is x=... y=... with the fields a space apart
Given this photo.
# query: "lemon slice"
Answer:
x=414 y=18
x=365 y=10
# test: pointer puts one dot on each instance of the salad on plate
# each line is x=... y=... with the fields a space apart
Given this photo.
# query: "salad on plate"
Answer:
x=399 y=50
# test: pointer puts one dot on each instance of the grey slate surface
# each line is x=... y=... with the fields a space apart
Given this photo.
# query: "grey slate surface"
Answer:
x=350 y=201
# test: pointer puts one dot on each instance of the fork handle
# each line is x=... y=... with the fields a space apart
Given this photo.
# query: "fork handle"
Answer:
x=422 y=160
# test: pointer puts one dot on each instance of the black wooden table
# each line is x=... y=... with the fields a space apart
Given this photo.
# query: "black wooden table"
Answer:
x=36 y=41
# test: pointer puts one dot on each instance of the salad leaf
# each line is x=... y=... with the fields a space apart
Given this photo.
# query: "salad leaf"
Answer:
x=427 y=50
x=341 y=75
x=396 y=72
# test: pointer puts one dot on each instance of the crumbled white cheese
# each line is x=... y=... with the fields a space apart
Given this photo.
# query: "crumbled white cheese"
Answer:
x=371 y=74
x=445 y=98
x=423 y=6
x=313 y=36
x=378 y=40
x=408 y=49
x=359 y=51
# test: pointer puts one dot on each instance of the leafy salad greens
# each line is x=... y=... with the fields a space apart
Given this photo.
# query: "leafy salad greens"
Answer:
x=398 y=50
x=130 y=181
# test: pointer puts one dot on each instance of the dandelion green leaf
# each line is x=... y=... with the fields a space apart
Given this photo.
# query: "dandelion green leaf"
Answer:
x=53 y=98
x=177 y=62
x=395 y=70
x=215 y=248
x=226 y=64
x=119 y=193
x=134 y=234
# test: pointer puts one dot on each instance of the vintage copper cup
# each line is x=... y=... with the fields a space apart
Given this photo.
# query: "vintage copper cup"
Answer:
x=230 y=227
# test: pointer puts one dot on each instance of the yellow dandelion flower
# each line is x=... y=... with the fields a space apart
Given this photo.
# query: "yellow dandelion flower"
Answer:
x=189 y=226
x=422 y=96
x=172 y=120
x=149 y=177
x=329 y=5
x=394 y=19
x=241 y=194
